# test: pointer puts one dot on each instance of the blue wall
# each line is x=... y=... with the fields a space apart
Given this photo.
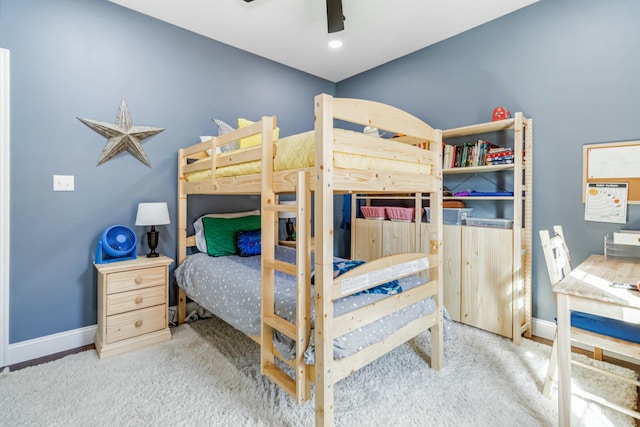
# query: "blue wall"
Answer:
x=570 y=65
x=79 y=58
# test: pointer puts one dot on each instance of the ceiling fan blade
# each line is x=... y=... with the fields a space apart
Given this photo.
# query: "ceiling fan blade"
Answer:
x=335 y=18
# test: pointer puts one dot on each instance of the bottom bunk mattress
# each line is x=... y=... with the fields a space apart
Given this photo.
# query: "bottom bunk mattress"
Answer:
x=229 y=287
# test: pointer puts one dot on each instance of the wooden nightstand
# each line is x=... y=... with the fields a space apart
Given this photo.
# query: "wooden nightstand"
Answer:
x=133 y=301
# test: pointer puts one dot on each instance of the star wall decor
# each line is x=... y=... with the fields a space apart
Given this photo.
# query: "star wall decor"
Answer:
x=122 y=135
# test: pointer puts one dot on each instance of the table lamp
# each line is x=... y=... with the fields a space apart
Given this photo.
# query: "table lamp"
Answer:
x=152 y=214
x=289 y=224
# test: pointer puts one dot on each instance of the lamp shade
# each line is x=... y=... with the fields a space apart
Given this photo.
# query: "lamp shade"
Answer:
x=287 y=214
x=153 y=214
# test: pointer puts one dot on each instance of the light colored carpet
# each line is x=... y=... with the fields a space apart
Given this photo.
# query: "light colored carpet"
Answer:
x=208 y=374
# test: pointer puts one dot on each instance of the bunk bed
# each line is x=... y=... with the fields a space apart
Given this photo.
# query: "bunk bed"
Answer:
x=343 y=162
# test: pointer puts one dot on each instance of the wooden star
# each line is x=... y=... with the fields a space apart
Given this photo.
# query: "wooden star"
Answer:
x=122 y=135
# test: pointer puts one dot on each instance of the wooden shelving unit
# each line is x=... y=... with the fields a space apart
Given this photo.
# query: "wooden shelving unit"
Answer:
x=487 y=271
x=493 y=286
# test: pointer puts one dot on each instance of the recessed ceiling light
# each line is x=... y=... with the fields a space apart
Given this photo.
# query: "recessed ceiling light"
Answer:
x=335 y=44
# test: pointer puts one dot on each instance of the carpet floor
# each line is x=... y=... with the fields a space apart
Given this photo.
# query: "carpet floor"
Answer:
x=208 y=375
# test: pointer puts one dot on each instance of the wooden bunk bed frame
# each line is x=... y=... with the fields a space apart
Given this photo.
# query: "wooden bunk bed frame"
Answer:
x=323 y=181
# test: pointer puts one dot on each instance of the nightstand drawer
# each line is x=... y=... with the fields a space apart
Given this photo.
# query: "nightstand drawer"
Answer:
x=135 y=300
x=134 y=323
x=135 y=279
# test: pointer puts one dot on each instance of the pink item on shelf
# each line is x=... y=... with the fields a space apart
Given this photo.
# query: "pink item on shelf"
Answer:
x=400 y=214
x=373 y=212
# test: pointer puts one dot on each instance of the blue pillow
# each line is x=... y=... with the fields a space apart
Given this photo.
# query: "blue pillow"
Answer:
x=340 y=267
x=248 y=242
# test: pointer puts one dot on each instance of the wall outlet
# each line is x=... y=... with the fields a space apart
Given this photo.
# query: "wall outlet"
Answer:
x=63 y=183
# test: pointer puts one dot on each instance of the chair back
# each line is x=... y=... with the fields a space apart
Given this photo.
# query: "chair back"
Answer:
x=556 y=254
x=589 y=329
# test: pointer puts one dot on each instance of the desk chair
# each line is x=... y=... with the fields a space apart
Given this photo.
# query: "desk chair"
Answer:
x=596 y=331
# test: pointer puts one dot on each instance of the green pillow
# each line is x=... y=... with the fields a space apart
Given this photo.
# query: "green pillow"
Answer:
x=220 y=233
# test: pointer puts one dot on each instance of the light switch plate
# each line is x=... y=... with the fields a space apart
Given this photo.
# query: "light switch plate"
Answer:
x=63 y=183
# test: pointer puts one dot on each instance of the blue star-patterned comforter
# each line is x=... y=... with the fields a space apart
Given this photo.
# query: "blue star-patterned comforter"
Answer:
x=229 y=287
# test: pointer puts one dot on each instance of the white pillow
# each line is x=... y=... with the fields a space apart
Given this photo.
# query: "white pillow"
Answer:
x=371 y=131
x=201 y=242
x=223 y=128
x=206 y=138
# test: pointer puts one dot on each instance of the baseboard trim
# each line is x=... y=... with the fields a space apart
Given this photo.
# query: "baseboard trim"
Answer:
x=543 y=329
x=57 y=343
x=45 y=346
x=50 y=344
x=69 y=340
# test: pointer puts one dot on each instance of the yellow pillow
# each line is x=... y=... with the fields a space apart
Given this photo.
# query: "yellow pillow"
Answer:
x=255 y=139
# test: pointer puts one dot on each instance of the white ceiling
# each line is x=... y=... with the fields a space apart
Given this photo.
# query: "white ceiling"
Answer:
x=294 y=32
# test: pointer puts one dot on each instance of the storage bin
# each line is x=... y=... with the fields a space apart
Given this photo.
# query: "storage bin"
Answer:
x=395 y=213
x=620 y=252
x=452 y=216
x=373 y=212
x=490 y=222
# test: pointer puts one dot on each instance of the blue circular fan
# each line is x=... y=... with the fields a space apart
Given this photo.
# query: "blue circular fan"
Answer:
x=117 y=243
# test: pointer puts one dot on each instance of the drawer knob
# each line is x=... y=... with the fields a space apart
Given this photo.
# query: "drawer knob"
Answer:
x=138 y=300
x=138 y=280
x=138 y=323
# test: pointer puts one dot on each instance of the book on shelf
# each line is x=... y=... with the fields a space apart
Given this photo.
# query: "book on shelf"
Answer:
x=448 y=156
x=458 y=157
x=505 y=153
x=501 y=161
x=465 y=154
x=471 y=154
x=496 y=149
x=474 y=153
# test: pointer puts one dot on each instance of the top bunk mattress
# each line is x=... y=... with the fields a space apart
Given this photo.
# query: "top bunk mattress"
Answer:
x=298 y=152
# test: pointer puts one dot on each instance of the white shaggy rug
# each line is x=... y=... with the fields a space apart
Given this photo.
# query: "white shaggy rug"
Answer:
x=208 y=374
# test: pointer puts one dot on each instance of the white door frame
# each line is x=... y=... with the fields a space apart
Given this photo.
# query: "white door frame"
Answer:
x=4 y=205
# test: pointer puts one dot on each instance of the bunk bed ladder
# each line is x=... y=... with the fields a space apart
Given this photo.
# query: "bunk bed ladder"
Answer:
x=297 y=384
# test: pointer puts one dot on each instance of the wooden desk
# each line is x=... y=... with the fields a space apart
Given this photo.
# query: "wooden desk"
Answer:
x=587 y=289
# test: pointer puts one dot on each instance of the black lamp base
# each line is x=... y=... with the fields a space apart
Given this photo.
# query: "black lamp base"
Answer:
x=152 y=241
x=289 y=228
